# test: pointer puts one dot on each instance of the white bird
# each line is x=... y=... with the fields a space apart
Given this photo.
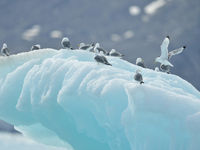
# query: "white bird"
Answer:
x=140 y=62
x=95 y=48
x=98 y=49
x=101 y=59
x=163 y=59
x=88 y=47
x=165 y=55
x=113 y=52
x=35 y=47
x=66 y=43
x=81 y=45
x=4 y=50
x=138 y=77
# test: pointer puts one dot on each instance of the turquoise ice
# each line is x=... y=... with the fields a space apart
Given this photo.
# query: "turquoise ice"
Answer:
x=65 y=99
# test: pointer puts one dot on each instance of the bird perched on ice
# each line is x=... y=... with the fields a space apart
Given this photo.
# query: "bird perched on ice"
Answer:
x=4 y=50
x=101 y=59
x=98 y=49
x=138 y=76
x=113 y=52
x=140 y=62
x=165 y=55
x=35 y=47
x=66 y=43
x=81 y=45
x=88 y=47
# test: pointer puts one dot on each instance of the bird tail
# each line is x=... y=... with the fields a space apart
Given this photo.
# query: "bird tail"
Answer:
x=166 y=62
x=168 y=72
x=7 y=53
x=108 y=64
x=141 y=82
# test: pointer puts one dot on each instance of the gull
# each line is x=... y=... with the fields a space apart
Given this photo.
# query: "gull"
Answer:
x=100 y=58
x=140 y=62
x=97 y=48
x=4 y=50
x=113 y=52
x=35 y=47
x=165 y=55
x=138 y=77
x=88 y=47
x=66 y=43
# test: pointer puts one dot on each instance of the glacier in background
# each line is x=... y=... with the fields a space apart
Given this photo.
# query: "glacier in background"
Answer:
x=65 y=99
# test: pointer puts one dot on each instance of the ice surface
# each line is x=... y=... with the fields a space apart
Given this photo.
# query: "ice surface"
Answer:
x=10 y=142
x=64 y=98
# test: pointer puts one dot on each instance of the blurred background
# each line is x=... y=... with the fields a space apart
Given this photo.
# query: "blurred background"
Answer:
x=136 y=28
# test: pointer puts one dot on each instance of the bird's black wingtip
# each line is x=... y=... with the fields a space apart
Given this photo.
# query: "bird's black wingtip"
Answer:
x=141 y=82
x=108 y=64
x=168 y=37
x=184 y=46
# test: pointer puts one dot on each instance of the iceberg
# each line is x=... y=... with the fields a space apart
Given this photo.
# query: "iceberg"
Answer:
x=65 y=99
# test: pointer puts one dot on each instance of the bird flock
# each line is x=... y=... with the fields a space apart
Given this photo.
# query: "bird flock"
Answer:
x=100 y=55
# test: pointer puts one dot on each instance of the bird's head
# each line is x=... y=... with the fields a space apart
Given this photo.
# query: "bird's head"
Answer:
x=65 y=39
x=139 y=59
x=101 y=53
x=5 y=45
x=113 y=50
x=168 y=37
x=81 y=45
x=138 y=71
x=38 y=46
x=95 y=47
x=156 y=60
